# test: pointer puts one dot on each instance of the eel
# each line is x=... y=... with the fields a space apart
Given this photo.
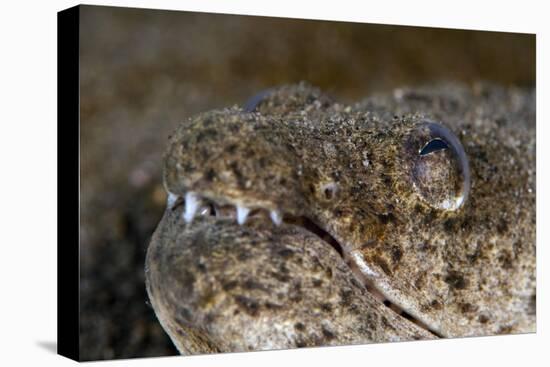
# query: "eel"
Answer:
x=299 y=221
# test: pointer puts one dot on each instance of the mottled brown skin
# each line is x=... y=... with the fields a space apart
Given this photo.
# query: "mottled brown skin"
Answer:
x=217 y=286
x=256 y=287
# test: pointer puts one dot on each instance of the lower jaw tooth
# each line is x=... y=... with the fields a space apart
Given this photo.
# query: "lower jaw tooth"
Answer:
x=204 y=211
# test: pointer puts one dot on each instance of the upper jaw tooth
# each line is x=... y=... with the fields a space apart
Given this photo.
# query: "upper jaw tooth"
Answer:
x=171 y=200
x=192 y=203
x=276 y=217
x=242 y=214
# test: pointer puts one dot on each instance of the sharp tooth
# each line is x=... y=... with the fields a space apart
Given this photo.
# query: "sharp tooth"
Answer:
x=205 y=210
x=242 y=213
x=171 y=201
x=191 y=206
x=276 y=217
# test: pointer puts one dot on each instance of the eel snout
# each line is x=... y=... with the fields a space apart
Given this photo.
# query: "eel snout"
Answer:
x=235 y=158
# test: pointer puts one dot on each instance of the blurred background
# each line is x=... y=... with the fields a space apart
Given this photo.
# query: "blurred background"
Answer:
x=142 y=72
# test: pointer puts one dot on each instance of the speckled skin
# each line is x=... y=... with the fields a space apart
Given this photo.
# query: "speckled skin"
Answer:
x=217 y=286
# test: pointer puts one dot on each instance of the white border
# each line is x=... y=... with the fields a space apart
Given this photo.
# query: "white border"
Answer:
x=28 y=188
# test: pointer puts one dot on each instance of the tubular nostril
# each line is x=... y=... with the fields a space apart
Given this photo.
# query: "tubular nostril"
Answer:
x=329 y=190
x=255 y=101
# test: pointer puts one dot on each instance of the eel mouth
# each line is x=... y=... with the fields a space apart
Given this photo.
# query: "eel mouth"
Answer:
x=197 y=205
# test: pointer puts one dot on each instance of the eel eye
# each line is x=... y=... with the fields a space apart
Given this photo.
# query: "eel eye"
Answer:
x=434 y=146
x=439 y=172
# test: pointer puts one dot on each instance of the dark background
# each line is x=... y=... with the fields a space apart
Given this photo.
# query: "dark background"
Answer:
x=144 y=71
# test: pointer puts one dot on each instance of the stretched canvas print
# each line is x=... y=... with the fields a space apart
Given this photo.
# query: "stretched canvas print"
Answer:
x=244 y=183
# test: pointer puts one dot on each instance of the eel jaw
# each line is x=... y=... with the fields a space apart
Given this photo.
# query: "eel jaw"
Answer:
x=197 y=204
